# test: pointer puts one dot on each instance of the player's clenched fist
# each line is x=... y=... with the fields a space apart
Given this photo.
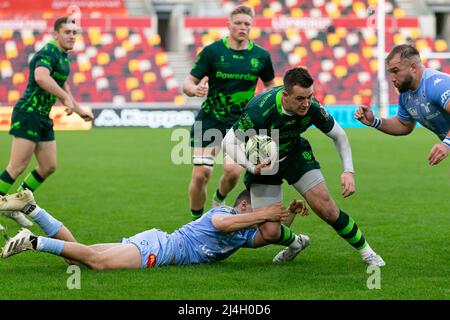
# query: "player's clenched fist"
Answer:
x=364 y=115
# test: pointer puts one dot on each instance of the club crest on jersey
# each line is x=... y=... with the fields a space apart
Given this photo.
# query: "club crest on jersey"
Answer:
x=254 y=62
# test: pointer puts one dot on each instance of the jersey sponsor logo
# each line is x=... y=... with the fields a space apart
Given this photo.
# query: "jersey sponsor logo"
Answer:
x=445 y=96
x=151 y=260
x=235 y=76
x=236 y=56
x=437 y=81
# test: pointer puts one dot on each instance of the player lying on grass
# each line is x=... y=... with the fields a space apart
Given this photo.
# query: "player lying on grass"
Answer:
x=215 y=236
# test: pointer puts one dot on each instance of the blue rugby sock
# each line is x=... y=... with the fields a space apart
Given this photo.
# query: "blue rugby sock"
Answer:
x=49 y=245
x=50 y=225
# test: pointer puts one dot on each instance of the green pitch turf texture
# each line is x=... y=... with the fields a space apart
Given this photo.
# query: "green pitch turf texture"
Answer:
x=118 y=182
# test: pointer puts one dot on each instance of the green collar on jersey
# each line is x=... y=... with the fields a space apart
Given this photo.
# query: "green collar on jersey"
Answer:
x=53 y=43
x=227 y=45
x=278 y=101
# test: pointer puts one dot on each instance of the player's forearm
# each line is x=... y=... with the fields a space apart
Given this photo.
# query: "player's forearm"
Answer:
x=342 y=144
x=229 y=223
x=77 y=108
x=189 y=87
x=234 y=148
x=48 y=84
x=395 y=127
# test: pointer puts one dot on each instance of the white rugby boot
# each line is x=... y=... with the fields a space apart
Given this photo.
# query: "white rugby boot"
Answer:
x=17 y=216
x=20 y=201
x=375 y=260
x=17 y=244
x=289 y=253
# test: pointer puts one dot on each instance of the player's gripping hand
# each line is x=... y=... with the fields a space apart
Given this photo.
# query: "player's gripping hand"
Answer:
x=202 y=88
x=298 y=207
x=275 y=212
x=438 y=153
x=364 y=115
x=348 y=184
x=68 y=103
x=86 y=115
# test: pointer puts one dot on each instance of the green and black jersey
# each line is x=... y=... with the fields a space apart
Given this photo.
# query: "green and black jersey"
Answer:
x=233 y=75
x=265 y=111
x=35 y=99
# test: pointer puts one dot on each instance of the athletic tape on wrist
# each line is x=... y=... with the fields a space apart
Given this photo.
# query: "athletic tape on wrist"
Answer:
x=446 y=141
x=376 y=123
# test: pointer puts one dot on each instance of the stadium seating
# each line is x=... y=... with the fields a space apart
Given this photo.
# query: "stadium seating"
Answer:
x=343 y=60
x=314 y=8
x=123 y=65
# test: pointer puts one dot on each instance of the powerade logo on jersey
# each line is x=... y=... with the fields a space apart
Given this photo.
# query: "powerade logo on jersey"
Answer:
x=235 y=76
x=445 y=96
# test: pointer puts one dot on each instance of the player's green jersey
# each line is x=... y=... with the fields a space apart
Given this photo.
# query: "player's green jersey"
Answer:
x=233 y=75
x=265 y=111
x=36 y=99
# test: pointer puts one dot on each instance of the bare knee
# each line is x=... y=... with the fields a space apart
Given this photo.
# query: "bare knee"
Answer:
x=96 y=261
x=231 y=173
x=16 y=169
x=47 y=170
x=327 y=210
x=270 y=235
x=200 y=177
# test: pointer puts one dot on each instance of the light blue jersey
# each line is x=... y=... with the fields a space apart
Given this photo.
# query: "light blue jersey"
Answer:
x=426 y=104
x=196 y=242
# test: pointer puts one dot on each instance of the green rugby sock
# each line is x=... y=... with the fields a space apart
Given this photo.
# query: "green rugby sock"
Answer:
x=32 y=181
x=218 y=197
x=6 y=181
x=196 y=214
x=349 y=231
x=286 y=237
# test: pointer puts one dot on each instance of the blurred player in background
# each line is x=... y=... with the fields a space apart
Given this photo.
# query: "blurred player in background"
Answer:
x=214 y=237
x=31 y=126
x=226 y=72
x=292 y=109
x=424 y=98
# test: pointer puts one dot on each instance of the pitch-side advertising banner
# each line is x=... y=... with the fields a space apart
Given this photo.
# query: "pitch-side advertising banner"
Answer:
x=61 y=121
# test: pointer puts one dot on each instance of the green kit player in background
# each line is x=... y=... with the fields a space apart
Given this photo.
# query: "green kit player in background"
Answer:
x=31 y=127
x=290 y=110
x=226 y=72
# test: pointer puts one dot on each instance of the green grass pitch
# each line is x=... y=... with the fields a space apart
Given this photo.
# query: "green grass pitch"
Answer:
x=117 y=182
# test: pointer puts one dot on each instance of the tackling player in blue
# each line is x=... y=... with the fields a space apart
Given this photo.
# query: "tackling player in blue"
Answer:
x=215 y=236
x=424 y=98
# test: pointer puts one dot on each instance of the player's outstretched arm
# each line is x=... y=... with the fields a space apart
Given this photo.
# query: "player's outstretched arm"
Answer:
x=393 y=126
x=47 y=83
x=229 y=223
x=86 y=115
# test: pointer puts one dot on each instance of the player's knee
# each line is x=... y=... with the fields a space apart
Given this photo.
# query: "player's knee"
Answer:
x=96 y=262
x=271 y=235
x=232 y=174
x=201 y=177
x=49 y=169
x=16 y=169
x=328 y=211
